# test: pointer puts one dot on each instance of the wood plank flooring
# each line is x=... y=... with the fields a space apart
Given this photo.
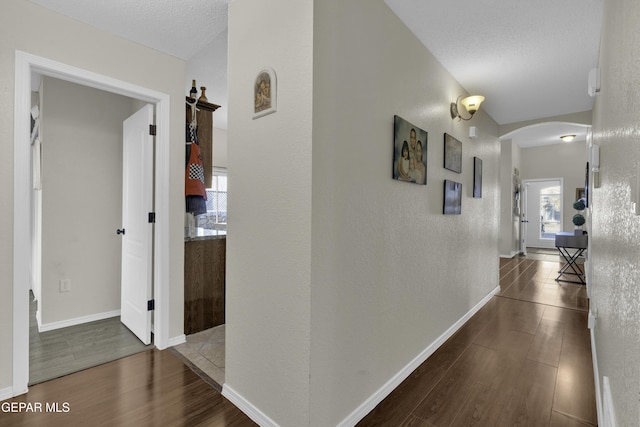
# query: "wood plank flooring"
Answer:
x=152 y=388
x=53 y=354
x=523 y=360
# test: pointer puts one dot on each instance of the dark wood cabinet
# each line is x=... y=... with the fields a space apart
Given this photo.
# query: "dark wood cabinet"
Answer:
x=204 y=284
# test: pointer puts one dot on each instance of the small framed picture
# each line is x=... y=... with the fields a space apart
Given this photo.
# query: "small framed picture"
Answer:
x=452 y=198
x=409 y=152
x=264 y=93
x=452 y=154
x=477 y=177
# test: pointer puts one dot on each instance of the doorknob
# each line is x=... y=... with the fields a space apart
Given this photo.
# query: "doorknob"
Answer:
x=120 y=231
x=524 y=220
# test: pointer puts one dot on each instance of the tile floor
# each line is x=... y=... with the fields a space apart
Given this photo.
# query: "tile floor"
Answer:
x=204 y=353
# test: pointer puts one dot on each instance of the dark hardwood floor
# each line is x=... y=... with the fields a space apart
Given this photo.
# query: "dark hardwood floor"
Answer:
x=153 y=388
x=524 y=359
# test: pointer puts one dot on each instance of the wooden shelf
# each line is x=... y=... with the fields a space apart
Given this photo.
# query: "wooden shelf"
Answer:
x=203 y=105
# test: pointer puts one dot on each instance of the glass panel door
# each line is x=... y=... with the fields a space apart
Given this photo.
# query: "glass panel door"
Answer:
x=544 y=212
x=550 y=212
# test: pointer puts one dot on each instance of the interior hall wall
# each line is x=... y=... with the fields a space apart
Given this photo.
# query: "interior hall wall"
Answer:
x=614 y=231
x=390 y=272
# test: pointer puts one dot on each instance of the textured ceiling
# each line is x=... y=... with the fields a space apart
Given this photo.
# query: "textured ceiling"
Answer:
x=530 y=59
x=179 y=28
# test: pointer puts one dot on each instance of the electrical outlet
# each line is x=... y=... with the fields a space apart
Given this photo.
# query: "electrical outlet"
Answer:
x=65 y=285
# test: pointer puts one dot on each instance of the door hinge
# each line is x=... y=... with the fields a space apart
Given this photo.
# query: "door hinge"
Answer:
x=151 y=305
x=152 y=217
x=152 y=130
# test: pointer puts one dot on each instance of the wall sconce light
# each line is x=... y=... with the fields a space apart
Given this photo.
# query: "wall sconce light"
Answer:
x=471 y=104
x=567 y=138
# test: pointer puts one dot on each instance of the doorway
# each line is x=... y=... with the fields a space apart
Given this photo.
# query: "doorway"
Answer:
x=542 y=212
x=26 y=65
x=84 y=165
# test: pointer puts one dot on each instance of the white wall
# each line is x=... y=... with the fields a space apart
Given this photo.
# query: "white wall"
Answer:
x=566 y=161
x=65 y=40
x=337 y=275
x=614 y=232
x=390 y=272
x=220 y=137
x=82 y=199
x=269 y=230
x=509 y=243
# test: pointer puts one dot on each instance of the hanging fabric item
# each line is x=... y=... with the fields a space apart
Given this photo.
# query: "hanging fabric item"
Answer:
x=194 y=188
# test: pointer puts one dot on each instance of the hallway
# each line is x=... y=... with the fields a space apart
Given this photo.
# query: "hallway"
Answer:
x=523 y=359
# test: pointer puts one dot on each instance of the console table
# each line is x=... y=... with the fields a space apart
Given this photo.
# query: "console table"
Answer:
x=571 y=246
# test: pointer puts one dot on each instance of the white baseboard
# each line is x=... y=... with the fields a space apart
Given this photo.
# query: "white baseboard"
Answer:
x=180 y=339
x=608 y=413
x=596 y=375
x=373 y=401
x=6 y=393
x=77 y=321
x=245 y=406
x=509 y=256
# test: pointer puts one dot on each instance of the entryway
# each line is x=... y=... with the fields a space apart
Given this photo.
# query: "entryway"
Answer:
x=26 y=65
x=542 y=212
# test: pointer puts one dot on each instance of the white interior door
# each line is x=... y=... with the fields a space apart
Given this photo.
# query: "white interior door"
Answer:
x=136 y=231
x=544 y=212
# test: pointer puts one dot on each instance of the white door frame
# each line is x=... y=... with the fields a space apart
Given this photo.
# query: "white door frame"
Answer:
x=25 y=64
x=524 y=218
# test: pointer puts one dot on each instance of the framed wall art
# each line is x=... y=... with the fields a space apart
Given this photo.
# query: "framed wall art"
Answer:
x=452 y=154
x=452 y=198
x=586 y=186
x=264 y=93
x=477 y=177
x=409 y=152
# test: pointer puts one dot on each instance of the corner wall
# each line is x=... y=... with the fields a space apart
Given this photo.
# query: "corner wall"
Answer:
x=509 y=243
x=269 y=231
x=390 y=272
x=615 y=252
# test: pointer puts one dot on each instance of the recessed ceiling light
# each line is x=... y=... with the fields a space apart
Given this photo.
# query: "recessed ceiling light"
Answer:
x=567 y=138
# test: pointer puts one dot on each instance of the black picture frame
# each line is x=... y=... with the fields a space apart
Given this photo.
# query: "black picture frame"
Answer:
x=452 y=154
x=586 y=187
x=414 y=139
x=452 y=198
x=477 y=177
